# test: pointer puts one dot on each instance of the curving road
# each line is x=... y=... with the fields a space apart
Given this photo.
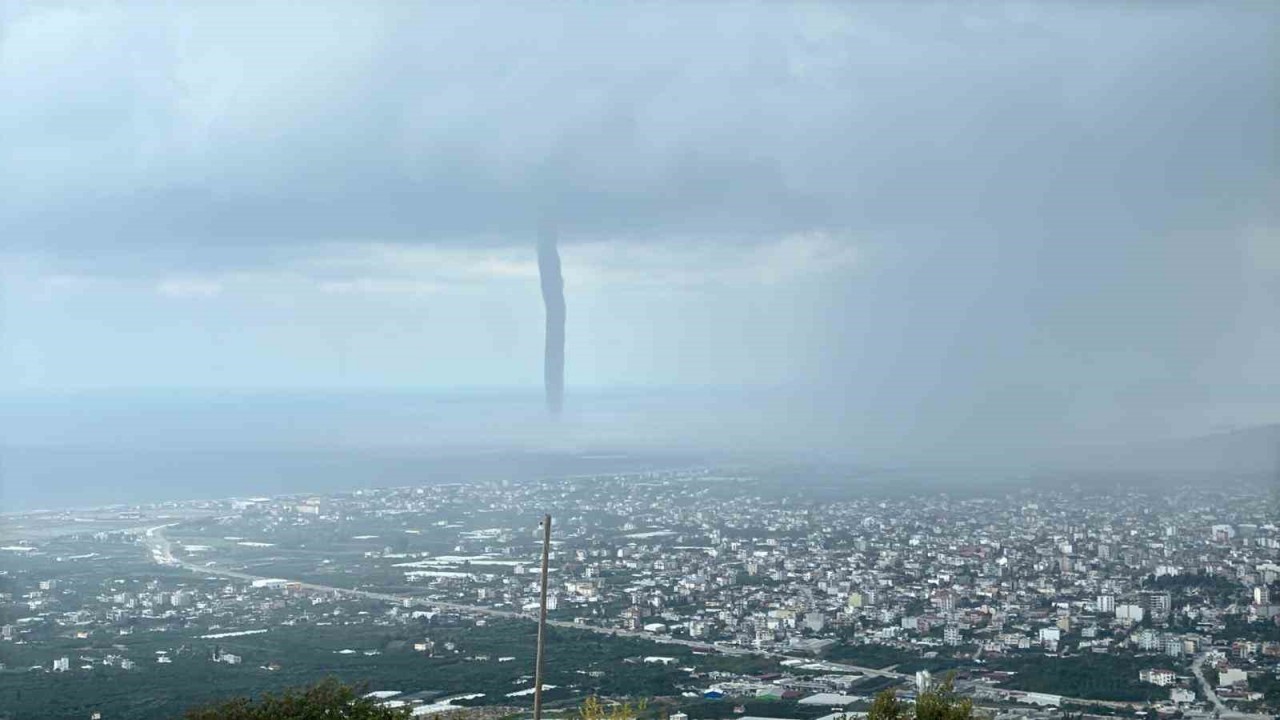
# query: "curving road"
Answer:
x=162 y=553
x=1220 y=709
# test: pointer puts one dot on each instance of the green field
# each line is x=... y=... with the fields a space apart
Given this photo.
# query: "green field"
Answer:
x=1093 y=676
x=304 y=654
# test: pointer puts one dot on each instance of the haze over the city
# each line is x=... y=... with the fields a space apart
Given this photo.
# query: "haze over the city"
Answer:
x=662 y=360
x=891 y=233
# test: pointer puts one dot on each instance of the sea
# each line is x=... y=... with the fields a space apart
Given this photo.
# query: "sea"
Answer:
x=97 y=449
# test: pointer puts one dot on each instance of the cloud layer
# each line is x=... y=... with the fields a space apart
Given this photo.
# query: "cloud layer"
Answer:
x=942 y=221
x=189 y=133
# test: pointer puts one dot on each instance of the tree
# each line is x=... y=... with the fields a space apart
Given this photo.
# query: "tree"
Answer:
x=593 y=709
x=887 y=706
x=936 y=703
x=329 y=699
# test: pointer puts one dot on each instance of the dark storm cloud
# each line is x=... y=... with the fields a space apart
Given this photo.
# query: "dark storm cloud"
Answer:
x=1068 y=211
x=179 y=133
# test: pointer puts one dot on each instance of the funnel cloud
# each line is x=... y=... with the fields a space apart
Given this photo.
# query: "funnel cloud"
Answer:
x=898 y=232
x=553 y=299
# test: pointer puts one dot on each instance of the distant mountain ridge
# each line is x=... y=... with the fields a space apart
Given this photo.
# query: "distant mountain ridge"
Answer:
x=1253 y=450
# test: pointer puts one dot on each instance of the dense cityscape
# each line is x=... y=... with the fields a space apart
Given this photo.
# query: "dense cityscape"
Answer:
x=659 y=360
x=715 y=593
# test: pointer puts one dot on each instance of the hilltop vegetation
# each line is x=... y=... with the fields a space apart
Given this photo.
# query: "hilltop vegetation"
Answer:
x=327 y=699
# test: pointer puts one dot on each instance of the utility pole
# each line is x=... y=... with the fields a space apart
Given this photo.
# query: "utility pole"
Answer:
x=542 y=620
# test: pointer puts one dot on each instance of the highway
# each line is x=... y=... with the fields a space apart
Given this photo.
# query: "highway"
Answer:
x=162 y=552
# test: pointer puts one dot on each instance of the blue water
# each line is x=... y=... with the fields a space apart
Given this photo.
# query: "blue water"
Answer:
x=49 y=478
x=119 y=448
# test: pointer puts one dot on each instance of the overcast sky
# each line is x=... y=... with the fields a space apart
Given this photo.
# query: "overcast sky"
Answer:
x=954 y=220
